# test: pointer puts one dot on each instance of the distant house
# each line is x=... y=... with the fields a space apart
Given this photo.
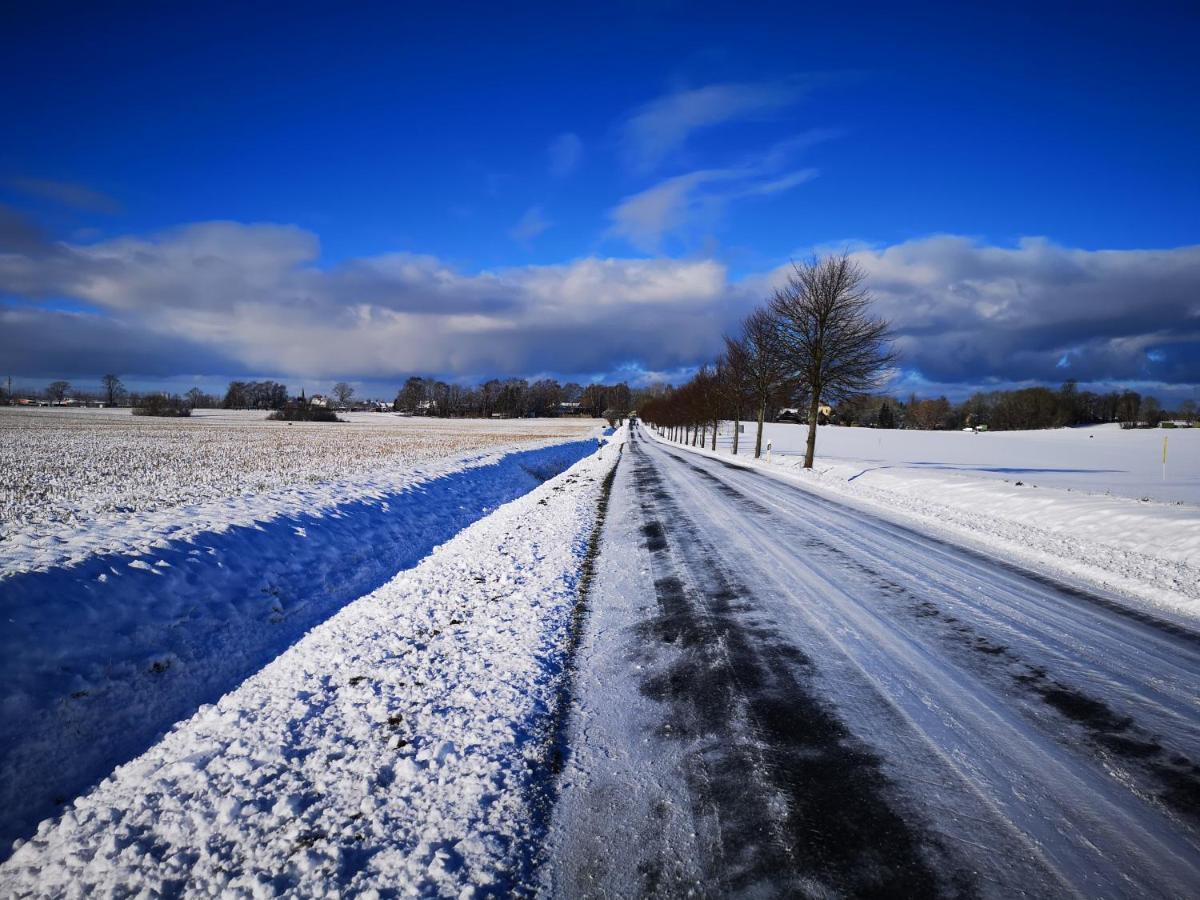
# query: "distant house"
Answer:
x=320 y=401
x=568 y=409
x=795 y=414
x=426 y=408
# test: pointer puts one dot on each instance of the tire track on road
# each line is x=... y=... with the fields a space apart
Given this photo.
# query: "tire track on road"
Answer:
x=797 y=804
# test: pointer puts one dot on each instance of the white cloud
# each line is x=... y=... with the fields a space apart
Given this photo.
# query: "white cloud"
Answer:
x=964 y=310
x=697 y=199
x=780 y=184
x=250 y=298
x=661 y=127
x=530 y=225
x=644 y=218
x=223 y=297
x=565 y=152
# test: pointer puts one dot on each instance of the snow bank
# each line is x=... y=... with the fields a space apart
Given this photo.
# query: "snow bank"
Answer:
x=98 y=658
x=391 y=750
x=1088 y=503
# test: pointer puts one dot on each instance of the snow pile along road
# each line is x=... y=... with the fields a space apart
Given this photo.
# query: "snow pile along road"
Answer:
x=399 y=746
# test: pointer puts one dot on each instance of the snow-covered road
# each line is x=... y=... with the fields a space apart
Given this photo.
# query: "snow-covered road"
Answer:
x=778 y=695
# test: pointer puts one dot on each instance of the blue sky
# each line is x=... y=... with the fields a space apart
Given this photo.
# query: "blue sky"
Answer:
x=432 y=181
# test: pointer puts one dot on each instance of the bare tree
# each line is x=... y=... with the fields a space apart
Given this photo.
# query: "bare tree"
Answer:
x=1187 y=411
x=708 y=404
x=343 y=392
x=836 y=348
x=112 y=389
x=409 y=396
x=766 y=364
x=733 y=373
x=57 y=390
x=1151 y=412
x=594 y=400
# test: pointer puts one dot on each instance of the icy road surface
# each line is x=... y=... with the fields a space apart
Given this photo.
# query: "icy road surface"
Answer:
x=777 y=695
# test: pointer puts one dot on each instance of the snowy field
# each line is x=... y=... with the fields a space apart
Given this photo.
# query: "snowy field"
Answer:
x=1090 y=502
x=401 y=748
x=1103 y=459
x=71 y=470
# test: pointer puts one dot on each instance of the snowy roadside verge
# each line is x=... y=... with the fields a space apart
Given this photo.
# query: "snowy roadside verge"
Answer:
x=392 y=748
x=1146 y=553
x=99 y=658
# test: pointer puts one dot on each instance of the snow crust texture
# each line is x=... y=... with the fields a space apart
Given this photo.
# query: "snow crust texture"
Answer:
x=397 y=748
x=80 y=482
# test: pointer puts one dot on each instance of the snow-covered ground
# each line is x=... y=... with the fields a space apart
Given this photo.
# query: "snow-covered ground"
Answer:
x=75 y=482
x=399 y=747
x=1090 y=503
x=119 y=626
x=1102 y=459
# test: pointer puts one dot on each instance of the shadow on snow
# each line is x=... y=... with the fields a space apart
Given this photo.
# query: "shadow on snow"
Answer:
x=100 y=658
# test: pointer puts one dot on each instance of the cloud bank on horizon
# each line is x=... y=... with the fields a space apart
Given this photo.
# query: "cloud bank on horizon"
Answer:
x=218 y=297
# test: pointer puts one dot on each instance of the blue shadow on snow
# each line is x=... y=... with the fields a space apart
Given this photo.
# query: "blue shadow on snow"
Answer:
x=100 y=658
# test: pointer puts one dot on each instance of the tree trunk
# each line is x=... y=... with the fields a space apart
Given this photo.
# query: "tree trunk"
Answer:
x=737 y=427
x=762 y=414
x=714 y=438
x=811 y=449
x=704 y=436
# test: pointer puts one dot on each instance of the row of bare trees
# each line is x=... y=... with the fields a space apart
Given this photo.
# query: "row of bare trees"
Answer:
x=814 y=342
x=513 y=398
